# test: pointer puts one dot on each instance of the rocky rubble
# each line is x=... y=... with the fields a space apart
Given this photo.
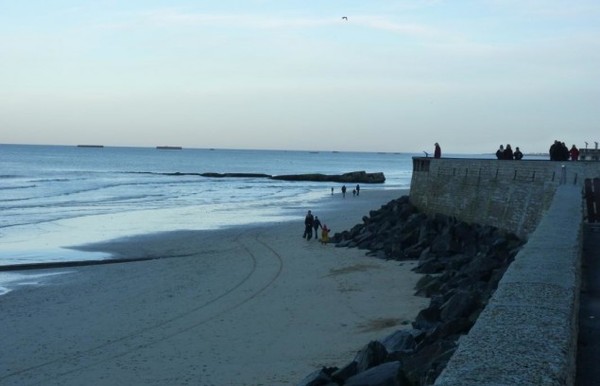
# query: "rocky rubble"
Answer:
x=462 y=265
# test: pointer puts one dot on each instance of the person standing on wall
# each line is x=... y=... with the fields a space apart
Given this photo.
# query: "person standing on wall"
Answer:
x=437 y=153
x=574 y=153
x=518 y=155
x=500 y=152
x=508 y=153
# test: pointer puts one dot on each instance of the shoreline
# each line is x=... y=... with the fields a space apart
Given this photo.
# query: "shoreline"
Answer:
x=240 y=306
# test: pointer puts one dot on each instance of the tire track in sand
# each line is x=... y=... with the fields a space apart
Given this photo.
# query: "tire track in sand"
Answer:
x=98 y=351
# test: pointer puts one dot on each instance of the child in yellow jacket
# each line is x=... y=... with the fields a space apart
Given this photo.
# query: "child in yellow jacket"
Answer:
x=324 y=234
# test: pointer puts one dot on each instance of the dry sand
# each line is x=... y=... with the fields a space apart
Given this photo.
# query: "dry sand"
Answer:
x=245 y=306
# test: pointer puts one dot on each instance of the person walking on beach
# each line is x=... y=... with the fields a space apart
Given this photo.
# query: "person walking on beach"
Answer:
x=357 y=189
x=344 y=191
x=437 y=153
x=317 y=225
x=308 y=226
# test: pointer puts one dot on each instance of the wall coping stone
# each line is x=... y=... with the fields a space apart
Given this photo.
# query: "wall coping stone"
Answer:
x=527 y=335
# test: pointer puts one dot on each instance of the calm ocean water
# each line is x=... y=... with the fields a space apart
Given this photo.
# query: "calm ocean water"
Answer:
x=56 y=197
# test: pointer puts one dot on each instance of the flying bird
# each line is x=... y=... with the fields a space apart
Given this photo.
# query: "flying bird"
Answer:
x=344 y=17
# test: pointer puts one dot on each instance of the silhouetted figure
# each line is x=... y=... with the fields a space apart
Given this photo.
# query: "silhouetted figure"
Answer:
x=316 y=226
x=518 y=155
x=508 y=153
x=553 y=151
x=344 y=191
x=357 y=189
x=500 y=152
x=564 y=152
x=308 y=225
x=437 y=153
x=559 y=151
x=574 y=153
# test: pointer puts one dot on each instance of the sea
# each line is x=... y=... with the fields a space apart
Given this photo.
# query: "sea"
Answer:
x=54 y=198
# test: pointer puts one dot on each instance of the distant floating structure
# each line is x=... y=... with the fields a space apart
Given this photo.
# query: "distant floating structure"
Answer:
x=169 y=147
x=100 y=146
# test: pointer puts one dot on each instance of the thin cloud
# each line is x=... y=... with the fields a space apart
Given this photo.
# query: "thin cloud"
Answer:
x=171 y=17
x=549 y=9
x=178 y=18
x=385 y=24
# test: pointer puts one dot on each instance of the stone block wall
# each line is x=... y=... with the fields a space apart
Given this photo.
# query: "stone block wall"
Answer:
x=511 y=195
x=527 y=334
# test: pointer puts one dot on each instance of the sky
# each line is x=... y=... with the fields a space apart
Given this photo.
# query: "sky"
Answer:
x=396 y=76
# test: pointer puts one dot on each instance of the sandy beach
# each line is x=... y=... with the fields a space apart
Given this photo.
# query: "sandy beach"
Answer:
x=254 y=305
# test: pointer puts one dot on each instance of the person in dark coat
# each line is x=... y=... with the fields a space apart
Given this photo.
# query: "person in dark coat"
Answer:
x=508 y=153
x=564 y=152
x=518 y=155
x=553 y=151
x=308 y=225
x=316 y=226
x=500 y=152
x=437 y=153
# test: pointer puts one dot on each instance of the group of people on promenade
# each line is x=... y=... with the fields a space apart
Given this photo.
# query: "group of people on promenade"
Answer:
x=560 y=152
x=313 y=223
x=508 y=153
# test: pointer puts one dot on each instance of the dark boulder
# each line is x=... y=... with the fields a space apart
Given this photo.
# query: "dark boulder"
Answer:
x=401 y=341
x=424 y=366
x=320 y=377
x=371 y=355
x=462 y=263
x=386 y=374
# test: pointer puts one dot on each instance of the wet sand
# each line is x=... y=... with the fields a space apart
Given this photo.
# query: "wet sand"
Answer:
x=253 y=305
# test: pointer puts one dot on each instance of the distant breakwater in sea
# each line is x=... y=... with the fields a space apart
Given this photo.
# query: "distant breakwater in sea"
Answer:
x=351 y=177
x=462 y=265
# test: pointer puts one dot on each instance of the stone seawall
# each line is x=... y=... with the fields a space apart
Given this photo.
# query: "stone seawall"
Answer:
x=511 y=195
x=527 y=334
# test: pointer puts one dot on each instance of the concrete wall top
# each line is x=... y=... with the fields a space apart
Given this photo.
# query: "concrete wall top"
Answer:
x=527 y=333
x=511 y=195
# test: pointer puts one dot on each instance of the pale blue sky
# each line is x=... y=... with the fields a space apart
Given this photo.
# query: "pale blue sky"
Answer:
x=396 y=76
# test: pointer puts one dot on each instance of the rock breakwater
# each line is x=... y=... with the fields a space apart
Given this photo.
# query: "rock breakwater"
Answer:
x=461 y=265
x=351 y=177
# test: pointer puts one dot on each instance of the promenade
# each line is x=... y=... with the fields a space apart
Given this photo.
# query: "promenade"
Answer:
x=588 y=355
